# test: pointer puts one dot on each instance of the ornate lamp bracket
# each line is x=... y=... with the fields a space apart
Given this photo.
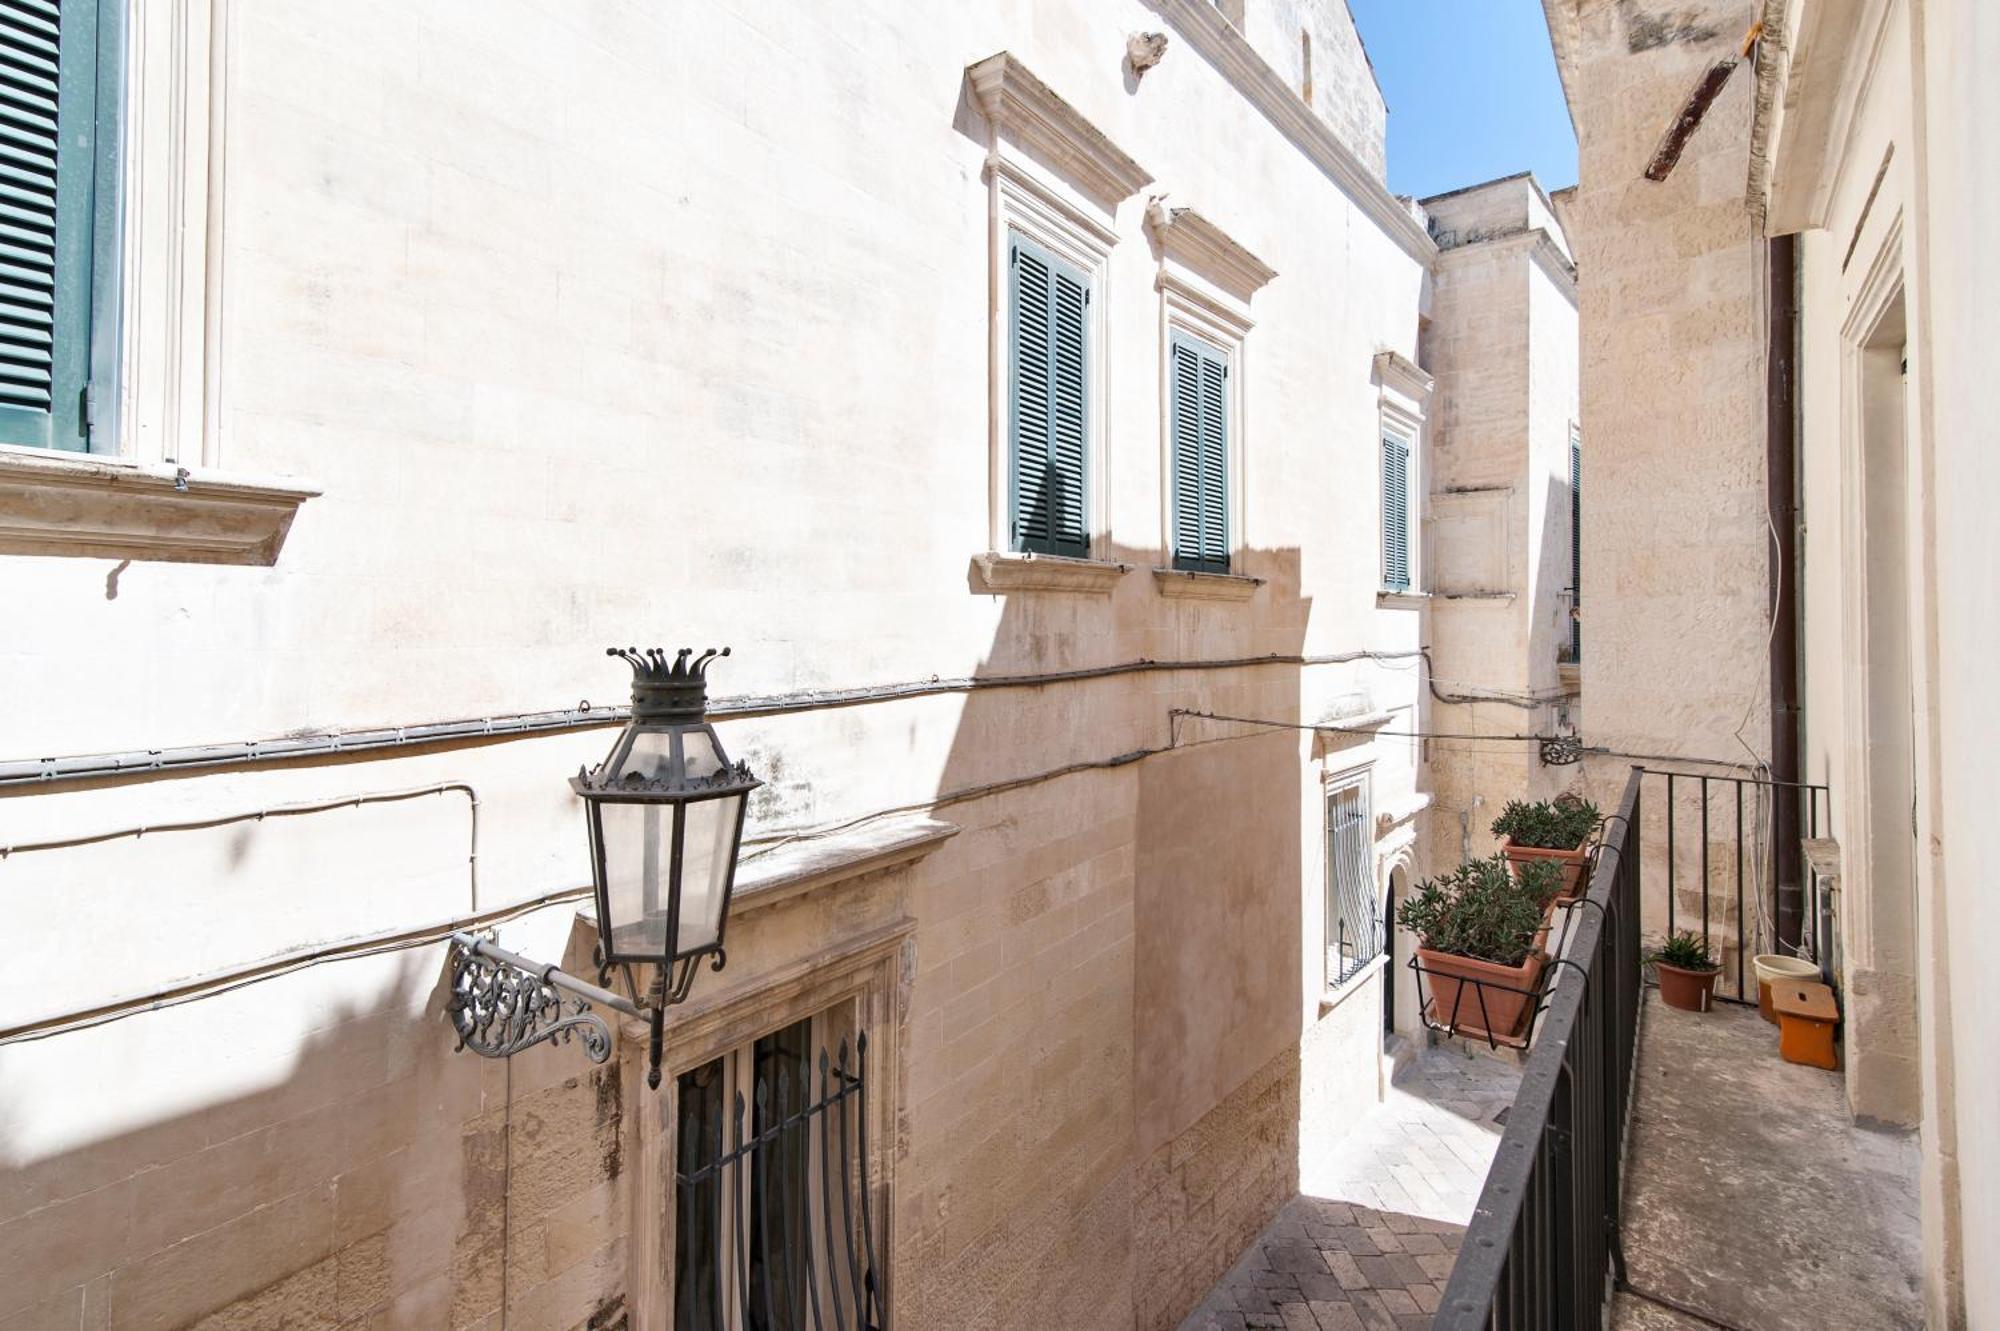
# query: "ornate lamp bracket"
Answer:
x=502 y=1003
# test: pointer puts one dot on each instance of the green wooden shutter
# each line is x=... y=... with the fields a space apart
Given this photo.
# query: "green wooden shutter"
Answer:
x=1048 y=359
x=50 y=144
x=1575 y=542
x=1395 y=514
x=1198 y=433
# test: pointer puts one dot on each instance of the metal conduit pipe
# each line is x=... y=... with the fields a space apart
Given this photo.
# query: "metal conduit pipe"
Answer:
x=141 y=764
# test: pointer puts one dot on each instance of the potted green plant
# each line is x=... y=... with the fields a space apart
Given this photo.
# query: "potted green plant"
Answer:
x=1686 y=970
x=1554 y=831
x=1480 y=930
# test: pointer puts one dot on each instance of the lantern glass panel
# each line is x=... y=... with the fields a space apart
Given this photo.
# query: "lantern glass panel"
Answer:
x=638 y=866
x=708 y=861
x=704 y=755
x=651 y=756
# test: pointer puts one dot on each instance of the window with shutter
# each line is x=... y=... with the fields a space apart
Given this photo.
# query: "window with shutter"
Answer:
x=1575 y=543
x=1048 y=421
x=1395 y=514
x=1198 y=430
x=57 y=144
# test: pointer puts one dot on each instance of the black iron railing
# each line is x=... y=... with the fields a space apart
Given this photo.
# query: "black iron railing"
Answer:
x=1542 y=1248
x=1721 y=871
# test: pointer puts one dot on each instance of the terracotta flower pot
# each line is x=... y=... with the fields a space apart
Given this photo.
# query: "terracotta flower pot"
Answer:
x=1571 y=861
x=1690 y=991
x=1500 y=1006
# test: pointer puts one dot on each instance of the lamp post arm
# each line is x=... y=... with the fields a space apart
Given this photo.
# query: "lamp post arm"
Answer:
x=561 y=979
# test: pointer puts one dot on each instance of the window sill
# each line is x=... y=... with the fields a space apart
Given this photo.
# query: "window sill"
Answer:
x=1388 y=598
x=90 y=506
x=1493 y=597
x=1205 y=586
x=999 y=573
x=1340 y=993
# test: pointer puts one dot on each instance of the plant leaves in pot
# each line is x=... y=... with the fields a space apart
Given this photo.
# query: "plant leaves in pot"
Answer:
x=1555 y=831
x=1686 y=970
x=1479 y=933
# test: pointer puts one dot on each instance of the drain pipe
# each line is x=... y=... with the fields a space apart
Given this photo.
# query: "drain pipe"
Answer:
x=1781 y=402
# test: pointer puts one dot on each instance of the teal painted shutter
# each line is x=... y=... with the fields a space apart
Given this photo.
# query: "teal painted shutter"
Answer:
x=1395 y=514
x=1575 y=542
x=1198 y=433
x=1048 y=359
x=50 y=142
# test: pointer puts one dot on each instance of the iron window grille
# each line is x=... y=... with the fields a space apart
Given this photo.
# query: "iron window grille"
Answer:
x=1356 y=928
x=773 y=1221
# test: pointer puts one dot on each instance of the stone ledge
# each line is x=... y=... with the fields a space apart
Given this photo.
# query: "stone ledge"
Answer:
x=1000 y=573
x=80 y=505
x=1205 y=586
x=793 y=868
x=1388 y=598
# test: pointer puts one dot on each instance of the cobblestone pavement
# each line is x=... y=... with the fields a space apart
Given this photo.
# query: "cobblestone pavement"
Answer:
x=1369 y=1241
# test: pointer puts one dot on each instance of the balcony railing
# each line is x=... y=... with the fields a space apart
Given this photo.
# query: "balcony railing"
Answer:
x=1542 y=1248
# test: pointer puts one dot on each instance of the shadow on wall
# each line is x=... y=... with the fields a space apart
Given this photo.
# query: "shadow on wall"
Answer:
x=1107 y=1012
x=375 y=1177
x=1120 y=1009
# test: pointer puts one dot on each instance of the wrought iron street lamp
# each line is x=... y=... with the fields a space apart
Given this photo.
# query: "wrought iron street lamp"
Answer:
x=664 y=811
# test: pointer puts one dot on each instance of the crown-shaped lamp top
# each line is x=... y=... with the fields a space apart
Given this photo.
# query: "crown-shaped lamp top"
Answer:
x=668 y=688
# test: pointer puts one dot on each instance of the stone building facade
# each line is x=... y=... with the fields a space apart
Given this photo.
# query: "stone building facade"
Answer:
x=430 y=351
x=1500 y=337
x=1809 y=277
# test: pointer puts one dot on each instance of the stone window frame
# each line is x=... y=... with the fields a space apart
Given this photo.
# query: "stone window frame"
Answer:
x=159 y=492
x=869 y=974
x=1333 y=780
x=1205 y=281
x=1055 y=179
x=1402 y=412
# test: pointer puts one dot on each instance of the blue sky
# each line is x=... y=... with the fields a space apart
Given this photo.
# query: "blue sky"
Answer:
x=1472 y=92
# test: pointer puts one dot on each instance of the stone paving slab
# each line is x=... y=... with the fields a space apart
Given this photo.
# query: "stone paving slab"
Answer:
x=1369 y=1242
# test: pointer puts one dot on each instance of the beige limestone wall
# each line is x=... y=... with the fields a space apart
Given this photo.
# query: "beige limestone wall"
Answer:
x=592 y=333
x=1502 y=343
x=1676 y=546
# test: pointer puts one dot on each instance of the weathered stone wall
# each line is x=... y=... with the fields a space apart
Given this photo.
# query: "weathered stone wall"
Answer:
x=1676 y=544
x=1675 y=557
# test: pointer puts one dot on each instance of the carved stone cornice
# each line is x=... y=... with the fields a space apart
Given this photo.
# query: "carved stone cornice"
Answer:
x=1022 y=108
x=55 y=503
x=1196 y=243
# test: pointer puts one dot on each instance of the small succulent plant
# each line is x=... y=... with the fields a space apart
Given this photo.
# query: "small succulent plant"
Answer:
x=1685 y=951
